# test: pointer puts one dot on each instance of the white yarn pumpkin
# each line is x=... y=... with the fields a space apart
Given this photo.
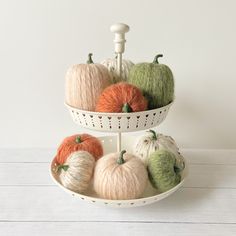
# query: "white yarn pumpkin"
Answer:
x=119 y=178
x=111 y=65
x=152 y=142
x=85 y=83
x=77 y=171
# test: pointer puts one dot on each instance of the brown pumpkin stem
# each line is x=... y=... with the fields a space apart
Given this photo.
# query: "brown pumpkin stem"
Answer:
x=156 y=58
x=121 y=160
x=90 y=61
x=62 y=167
x=78 y=139
x=126 y=108
x=154 y=135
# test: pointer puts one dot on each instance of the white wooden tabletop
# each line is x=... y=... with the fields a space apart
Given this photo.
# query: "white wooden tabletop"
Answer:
x=31 y=204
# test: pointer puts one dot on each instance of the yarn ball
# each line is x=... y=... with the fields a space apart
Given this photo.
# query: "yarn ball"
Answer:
x=111 y=65
x=76 y=173
x=151 y=142
x=85 y=83
x=120 y=176
x=79 y=142
x=164 y=173
x=121 y=97
x=156 y=82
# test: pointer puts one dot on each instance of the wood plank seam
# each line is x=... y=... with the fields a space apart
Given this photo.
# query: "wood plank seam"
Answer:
x=117 y=221
x=53 y=185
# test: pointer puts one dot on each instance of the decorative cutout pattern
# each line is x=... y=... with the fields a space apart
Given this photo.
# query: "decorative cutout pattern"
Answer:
x=119 y=122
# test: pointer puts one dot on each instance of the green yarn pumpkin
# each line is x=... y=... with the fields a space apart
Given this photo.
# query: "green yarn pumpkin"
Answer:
x=164 y=173
x=155 y=80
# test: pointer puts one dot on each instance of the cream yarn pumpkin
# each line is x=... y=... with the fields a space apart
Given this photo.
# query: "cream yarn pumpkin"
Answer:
x=76 y=173
x=120 y=176
x=111 y=65
x=152 y=142
x=85 y=83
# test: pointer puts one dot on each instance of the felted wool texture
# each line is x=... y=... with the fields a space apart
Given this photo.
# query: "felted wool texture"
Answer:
x=88 y=143
x=79 y=173
x=117 y=95
x=84 y=84
x=162 y=169
x=120 y=182
x=156 y=82
x=111 y=65
x=148 y=143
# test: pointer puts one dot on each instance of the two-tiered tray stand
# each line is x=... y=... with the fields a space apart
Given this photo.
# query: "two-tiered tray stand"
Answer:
x=119 y=123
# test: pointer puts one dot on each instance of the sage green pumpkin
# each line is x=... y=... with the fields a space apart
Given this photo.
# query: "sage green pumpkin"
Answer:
x=156 y=82
x=163 y=170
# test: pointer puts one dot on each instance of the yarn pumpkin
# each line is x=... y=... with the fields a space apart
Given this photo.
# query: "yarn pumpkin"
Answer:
x=121 y=97
x=151 y=142
x=79 y=142
x=120 y=176
x=111 y=65
x=76 y=173
x=164 y=172
x=84 y=84
x=156 y=82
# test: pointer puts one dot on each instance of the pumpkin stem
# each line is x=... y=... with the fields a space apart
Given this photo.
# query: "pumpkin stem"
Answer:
x=121 y=160
x=90 y=61
x=156 y=58
x=179 y=166
x=126 y=108
x=154 y=135
x=78 y=139
x=62 y=166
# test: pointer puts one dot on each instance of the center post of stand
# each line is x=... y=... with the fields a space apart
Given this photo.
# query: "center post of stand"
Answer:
x=119 y=29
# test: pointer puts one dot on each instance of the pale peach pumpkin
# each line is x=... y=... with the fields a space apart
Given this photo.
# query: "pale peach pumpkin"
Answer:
x=85 y=83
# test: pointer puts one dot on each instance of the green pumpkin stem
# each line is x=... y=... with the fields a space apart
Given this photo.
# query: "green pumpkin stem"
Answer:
x=121 y=160
x=156 y=58
x=154 y=137
x=90 y=61
x=62 y=167
x=126 y=108
x=78 y=139
x=179 y=166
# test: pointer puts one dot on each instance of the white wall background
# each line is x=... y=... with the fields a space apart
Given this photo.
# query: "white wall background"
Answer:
x=40 y=39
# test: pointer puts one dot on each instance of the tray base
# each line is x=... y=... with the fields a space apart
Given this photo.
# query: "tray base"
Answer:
x=149 y=196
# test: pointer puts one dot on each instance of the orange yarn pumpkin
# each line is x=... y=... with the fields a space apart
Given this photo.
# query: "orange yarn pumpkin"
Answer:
x=121 y=97
x=79 y=142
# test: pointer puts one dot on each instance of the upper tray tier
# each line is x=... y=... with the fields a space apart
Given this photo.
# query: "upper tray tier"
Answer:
x=119 y=122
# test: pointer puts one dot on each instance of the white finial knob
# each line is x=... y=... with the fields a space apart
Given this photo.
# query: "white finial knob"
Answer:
x=119 y=30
